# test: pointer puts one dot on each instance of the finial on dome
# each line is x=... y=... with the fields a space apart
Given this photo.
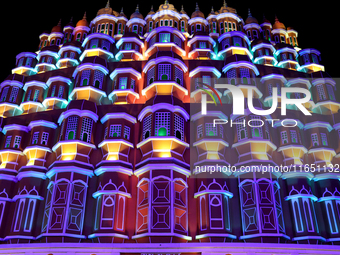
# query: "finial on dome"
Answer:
x=59 y=23
x=276 y=19
x=197 y=8
x=84 y=17
x=249 y=13
x=137 y=8
x=182 y=9
x=166 y=2
x=107 y=4
x=152 y=8
x=224 y=4
x=121 y=10
x=212 y=9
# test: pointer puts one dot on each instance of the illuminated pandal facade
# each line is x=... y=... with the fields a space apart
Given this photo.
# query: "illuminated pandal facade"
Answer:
x=98 y=146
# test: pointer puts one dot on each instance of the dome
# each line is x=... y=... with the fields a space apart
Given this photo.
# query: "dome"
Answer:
x=264 y=20
x=83 y=22
x=251 y=19
x=136 y=14
x=106 y=10
x=70 y=24
x=225 y=8
x=166 y=6
x=57 y=28
x=278 y=24
x=121 y=14
x=182 y=11
x=197 y=13
x=212 y=12
x=116 y=14
x=151 y=12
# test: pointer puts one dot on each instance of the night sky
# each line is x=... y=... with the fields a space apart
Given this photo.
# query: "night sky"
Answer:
x=317 y=25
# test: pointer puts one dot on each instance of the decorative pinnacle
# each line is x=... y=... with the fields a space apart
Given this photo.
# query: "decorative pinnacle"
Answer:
x=137 y=8
x=152 y=8
x=166 y=2
x=197 y=8
x=121 y=11
x=84 y=17
x=249 y=14
x=107 y=4
x=224 y=4
x=212 y=9
x=59 y=23
x=182 y=9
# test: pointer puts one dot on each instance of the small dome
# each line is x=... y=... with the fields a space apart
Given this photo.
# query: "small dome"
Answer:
x=225 y=8
x=212 y=12
x=83 y=22
x=251 y=19
x=182 y=10
x=151 y=12
x=57 y=28
x=106 y=10
x=290 y=28
x=197 y=13
x=136 y=14
x=166 y=6
x=70 y=24
x=121 y=14
x=264 y=20
x=278 y=24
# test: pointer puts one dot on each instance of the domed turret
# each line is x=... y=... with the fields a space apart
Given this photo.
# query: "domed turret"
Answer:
x=197 y=13
x=136 y=14
x=57 y=28
x=212 y=11
x=278 y=24
x=225 y=8
x=83 y=22
x=251 y=19
x=70 y=24
x=167 y=6
x=182 y=10
x=122 y=14
x=265 y=20
x=106 y=10
x=151 y=12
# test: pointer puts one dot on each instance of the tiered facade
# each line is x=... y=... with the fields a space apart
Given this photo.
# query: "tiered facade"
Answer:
x=99 y=142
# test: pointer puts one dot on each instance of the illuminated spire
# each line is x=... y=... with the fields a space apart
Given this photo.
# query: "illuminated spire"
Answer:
x=166 y=2
x=182 y=9
x=249 y=14
x=59 y=23
x=121 y=10
x=107 y=4
x=84 y=17
x=197 y=8
x=212 y=9
x=152 y=8
x=137 y=8
x=224 y=4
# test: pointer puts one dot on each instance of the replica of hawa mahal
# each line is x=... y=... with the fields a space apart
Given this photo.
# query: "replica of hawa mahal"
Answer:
x=99 y=141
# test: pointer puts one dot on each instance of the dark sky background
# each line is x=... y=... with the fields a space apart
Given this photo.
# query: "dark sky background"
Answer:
x=317 y=24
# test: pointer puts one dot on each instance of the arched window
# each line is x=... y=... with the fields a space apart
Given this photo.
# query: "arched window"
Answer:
x=216 y=211
x=107 y=212
x=203 y=213
x=162 y=123
x=147 y=122
x=19 y=215
x=30 y=215
x=164 y=71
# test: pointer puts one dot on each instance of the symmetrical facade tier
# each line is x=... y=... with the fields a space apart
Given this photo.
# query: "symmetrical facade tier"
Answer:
x=104 y=144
